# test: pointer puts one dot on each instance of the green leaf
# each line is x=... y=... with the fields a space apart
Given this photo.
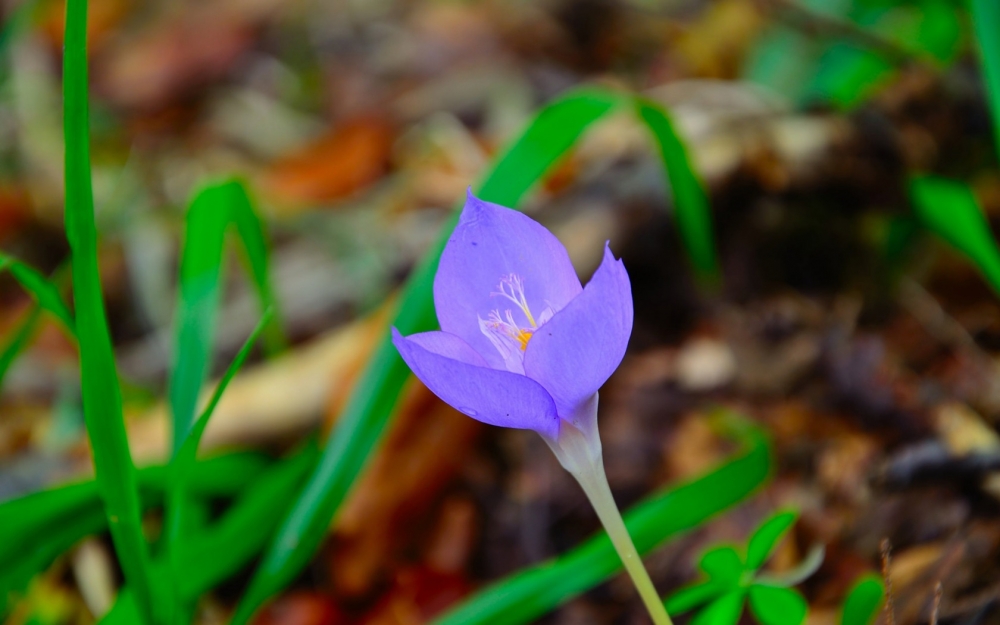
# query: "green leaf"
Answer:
x=40 y=527
x=530 y=593
x=19 y=340
x=848 y=73
x=214 y=208
x=725 y=610
x=102 y=406
x=47 y=298
x=722 y=564
x=184 y=460
x=694 y=595
x=785 y=58
x=766 y=538
x=863 y=602
x=950 y=210
x=774 y=605
x=45 y=292
x=550 y=135
x=694 y=217
x=986 y=23
x=218 y=552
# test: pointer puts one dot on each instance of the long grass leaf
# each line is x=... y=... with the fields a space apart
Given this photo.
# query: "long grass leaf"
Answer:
x=549 y=136
x=184 y=460
x=99 y=381
x=214 y=555
x=19 y=339
x=214 y=208
x=44 y=291
x=28 y=520
x=950 y=210
x=694 y=216
x=528 y=594
x=40 y=527
x=47 y=298
x=986 y=23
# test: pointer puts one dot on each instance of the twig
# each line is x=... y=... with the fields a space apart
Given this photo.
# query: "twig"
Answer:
x=890 y=609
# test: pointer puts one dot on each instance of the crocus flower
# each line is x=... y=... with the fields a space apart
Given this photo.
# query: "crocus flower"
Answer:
x=522 y=344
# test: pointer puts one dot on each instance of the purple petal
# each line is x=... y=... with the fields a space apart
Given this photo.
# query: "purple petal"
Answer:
x=495 y=397
x=489 y=243
x=580 y=347
x=447 y=345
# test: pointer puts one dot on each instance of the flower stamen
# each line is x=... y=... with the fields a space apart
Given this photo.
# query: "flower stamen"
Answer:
x=512 y=287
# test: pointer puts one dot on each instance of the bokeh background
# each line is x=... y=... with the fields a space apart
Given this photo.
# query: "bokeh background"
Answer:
x=844 y=315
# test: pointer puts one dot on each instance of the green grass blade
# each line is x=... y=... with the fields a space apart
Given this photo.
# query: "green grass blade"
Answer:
x=99 y=380
x=549 y=136
x=216 y=554
x=184 y=460
x=40 y=527
x=950 y=210
x=848 y=73
x=47 y=298
x=27 y=520
x=44 y=291
x=214 y=208
x=694 y=216
x=530 y=593
x=257 y=256
x=986 y=23
x=17 y=572
x=19 y=340
x=212 y=556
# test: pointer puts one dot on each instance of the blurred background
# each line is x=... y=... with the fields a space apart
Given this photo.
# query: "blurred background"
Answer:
x=834 y=316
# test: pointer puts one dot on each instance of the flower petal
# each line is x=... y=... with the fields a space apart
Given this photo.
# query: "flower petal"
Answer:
x=491 y=242
x=495 y=397
x=580 y=347
x=449 y=346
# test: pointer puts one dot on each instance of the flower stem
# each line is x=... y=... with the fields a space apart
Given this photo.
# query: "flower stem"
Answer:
x=581 y=456
x=595 y=484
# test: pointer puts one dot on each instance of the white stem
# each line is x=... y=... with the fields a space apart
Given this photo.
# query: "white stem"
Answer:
x=581 y=456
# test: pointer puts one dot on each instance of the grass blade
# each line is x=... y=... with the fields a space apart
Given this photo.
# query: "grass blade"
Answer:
x=184 y=460
x=46 y=293
x=528 y=594
x=47 y=298
x=214 y=208
x=986 y=23
x=216 y=554
x=550 y=135
x=950 y=210
x=102 y=405
x=40 y=527
x=19 y=340
x=694 y=216
x=28 y=519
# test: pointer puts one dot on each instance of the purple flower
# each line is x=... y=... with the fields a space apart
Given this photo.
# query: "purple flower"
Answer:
x=522 y=344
